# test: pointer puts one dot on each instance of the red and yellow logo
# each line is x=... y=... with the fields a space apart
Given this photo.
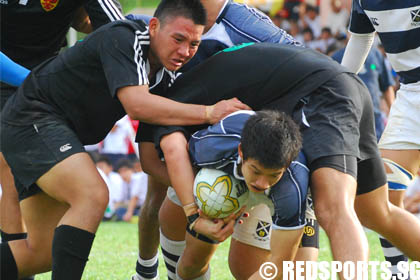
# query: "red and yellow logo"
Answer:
x=49 y=5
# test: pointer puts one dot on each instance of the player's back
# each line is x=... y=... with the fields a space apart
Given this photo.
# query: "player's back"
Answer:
x=258 y=74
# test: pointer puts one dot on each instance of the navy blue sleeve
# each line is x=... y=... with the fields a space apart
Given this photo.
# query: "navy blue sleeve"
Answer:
x=359 y=21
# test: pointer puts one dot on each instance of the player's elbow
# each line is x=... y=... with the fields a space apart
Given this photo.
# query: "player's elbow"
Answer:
x=174 y=146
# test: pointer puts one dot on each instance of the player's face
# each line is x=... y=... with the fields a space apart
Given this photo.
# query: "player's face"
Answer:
x=257 y=177
x=174 y=42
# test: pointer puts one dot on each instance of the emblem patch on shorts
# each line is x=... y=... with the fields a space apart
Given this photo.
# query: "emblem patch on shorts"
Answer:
x=263 y=229
x=65 y=147
x=49 y=5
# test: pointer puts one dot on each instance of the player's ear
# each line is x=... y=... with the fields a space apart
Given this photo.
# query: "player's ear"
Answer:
x=154 y=25
x=240 y=150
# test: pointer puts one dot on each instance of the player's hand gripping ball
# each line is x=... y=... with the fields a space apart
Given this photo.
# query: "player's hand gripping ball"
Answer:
x=219 y=194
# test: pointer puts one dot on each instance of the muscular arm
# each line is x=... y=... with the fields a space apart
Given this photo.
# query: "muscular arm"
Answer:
x=181 y=174
x=140 y=104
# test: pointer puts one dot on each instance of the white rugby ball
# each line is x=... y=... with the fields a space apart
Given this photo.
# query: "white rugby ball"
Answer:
x=219 y=194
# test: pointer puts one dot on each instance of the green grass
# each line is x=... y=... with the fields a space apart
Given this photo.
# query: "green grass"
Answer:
x=114 y=254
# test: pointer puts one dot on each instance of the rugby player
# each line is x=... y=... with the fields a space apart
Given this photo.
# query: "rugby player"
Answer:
x=339 y=142
x=75 y=99
x=398 y=26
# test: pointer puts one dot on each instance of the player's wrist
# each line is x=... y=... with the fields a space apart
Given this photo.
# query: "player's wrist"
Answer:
x=208 y=113
x=190 y=209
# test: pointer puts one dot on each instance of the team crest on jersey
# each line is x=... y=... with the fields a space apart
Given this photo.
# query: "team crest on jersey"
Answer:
x=49 y=5
x=415 y=17
x=263 y=229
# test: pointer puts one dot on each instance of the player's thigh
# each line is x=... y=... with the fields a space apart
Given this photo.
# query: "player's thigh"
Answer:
x=373 y=207
x=408 y=159
x=75 y=180
x=243 y=267
x=41 y=214
x=172 y=220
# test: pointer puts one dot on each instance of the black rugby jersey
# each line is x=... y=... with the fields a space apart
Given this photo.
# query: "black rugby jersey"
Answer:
x=34 y=30
x=79 y=86
x=263 y=76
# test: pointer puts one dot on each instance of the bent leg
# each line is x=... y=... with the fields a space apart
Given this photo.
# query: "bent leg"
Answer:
x=334 y=193
x=397 y=225
x=148 y=224
x=76 y=182
x=41 y=214
x=10 y=215
x=400 y=165
x=172 y=238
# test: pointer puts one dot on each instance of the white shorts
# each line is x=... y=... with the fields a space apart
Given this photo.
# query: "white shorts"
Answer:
x=256 y=229
x=402 y=131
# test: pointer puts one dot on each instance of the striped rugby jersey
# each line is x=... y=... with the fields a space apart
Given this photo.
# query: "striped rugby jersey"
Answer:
x=398 y=25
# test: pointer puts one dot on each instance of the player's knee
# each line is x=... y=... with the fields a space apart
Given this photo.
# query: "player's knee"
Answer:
x=173 y=145
x=98 y=197
x=328 y=214
x=192 y=267
x=397 y=176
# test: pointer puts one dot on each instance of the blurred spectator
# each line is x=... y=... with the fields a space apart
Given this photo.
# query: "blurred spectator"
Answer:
x=309 y=18
x=114 y=183
x=338 y=18
x=308 y=38
x=118 y=143
x=292 y=8
x=133 y=191
x=296 y=32
x=325 y=41
x=378 y=80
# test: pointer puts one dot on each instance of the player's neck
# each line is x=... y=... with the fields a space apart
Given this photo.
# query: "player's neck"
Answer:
x=213 y=8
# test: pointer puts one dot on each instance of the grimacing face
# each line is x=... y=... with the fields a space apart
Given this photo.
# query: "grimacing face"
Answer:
x=257 y=177
x=175 y=41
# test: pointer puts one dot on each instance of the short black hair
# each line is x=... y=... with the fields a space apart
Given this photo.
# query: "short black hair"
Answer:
x=191 y=9
x=272 y=138
x=124 y=163
x=104 y=158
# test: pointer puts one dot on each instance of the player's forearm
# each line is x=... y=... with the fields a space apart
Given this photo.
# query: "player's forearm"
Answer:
x=357 y=50
x=159 y=110
x=181 y=174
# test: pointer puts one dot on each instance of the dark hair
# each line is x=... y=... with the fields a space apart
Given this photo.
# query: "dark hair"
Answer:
x=272 y=138
x=191 y=9
x=104 y=158
x=124 y=163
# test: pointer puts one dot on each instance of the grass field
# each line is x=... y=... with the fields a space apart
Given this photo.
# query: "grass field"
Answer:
x=114 y=254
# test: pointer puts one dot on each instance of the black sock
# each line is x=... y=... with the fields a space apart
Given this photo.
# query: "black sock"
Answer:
x=8 y=268
x=70 y=252
x=5 y=237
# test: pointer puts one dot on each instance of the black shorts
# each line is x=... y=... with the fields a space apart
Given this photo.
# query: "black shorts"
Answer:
x=34 y=149
x=5 y=92
x=341 y=123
